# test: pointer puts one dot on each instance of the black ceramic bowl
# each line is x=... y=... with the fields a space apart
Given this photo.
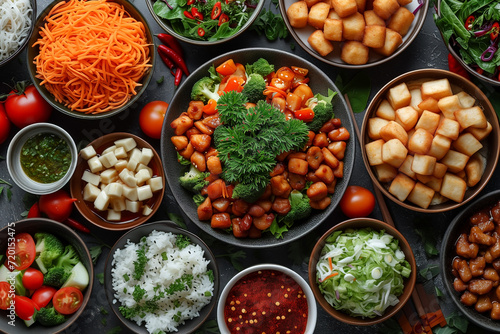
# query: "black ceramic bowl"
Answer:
x=457 y=226
x=319 y=83
x=67 y=236
x=135 y=236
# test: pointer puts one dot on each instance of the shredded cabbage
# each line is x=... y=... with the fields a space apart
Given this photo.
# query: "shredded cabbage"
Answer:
x=361 y=272
x=15 y=22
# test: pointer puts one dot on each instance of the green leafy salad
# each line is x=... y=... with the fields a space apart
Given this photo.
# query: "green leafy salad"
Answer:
x=361 y=272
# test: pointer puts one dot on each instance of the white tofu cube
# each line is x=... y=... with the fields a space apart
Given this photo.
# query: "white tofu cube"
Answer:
x=146 y=211
x=115 y=189
x=108 y=160
x=142 y=166
x=109 y=175
x=102 y=201
x=127 y=143
x=132 y=206
x=91 y=178
x=135 y=154
x=95 y=164
x=117 y=203
x=88 y=152
x=130 y=193
x=156 y=183
x=120 y=165
x=142 y=176
x=120 y=153
x=109 y=149
x=114 y=215
x=144 y=193
x=132 y=164
x=127 y=178
x=147 y=155
x=90 y=192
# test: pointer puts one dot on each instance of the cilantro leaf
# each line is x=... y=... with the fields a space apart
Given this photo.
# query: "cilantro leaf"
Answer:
x=95 y=252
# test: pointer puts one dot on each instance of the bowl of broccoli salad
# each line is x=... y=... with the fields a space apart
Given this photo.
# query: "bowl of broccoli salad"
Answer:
x=261 y=144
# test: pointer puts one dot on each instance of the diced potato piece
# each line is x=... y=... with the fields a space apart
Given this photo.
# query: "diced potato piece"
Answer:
x=407 y=117
x=374 y=36
x=374 y=126
x=114 y=215
x=405 y=167
x=392 y=41
x=448 y=128
x=386 y=111
x=401 y=21
x=120 y=165
x=374 y=152
x=142 y=166
x=440 y=146
x=102 y=201
x=471 y=117
x=311 y=3
x=423 y=178
x=428 y=121
x=466 y=101
x=95 y=164
x=88 y=152
x=155 y=183
x=344 y=8
x=438 y=199
x=120 y=153
x=144 y=192
x=127 y=178
x=142 y=176
x=439 y=170
x=333 y=15
x=318 y=14
x=354 y=53
x=91 y=178
x=423 y=164
x=467 y=144
x=421 y=195
x=404 y=2
x=394 y=130
x=480 y=134
x=475 y=169
x=372 y=19
x=385 y=8
x=109 y=175
x=385 y=172
x=146 y=210
x=297 y=14
x=453 y=187
x=401 y=186
x=132 y=206
x=90 y=192
x=416 y=99
x=132 y=164
x=130 y=193
x=117 y=203
x=111 y=148
x=399 y=96
x=455 y=161
x=333 y=29
x=108 y=160
x=394 y=153
x=429 y=103
x=434 y=183
x=354 y=27
x=436 y=89
x=319 y=43
x=127 y=143
x=115 y=189
x=420 y=142
x=361 y=5
x=448 y=105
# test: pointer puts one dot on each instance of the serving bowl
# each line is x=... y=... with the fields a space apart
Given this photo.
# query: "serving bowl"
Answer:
x=128 y=219
x=261 y=282
x=356 y=224
x=489 y=152
x=67 y=236
x=319 y=82
x=135 y=236
x=140 y=88
x=166 y=24
x=21 y=47
x=301 y=36
x=14 y=153
x=462 y=224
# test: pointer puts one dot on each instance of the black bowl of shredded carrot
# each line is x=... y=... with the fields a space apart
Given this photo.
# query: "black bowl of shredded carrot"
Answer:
x=91 y=59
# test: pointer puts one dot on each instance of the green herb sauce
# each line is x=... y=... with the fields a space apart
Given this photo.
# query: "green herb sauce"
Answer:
x=45 y=157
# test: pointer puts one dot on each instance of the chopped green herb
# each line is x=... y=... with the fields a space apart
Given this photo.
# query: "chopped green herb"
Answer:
x=104 y=311
x=138 y=293
x=160 y=80
x=177 y=303
x=182 y=241
x=270 y=24
x=126 y=278
x=177 y=316
x=124 y=290
x=439 y=293
x=114 y=330
x=95 y=252
x=208 y=293
x=177 y=219
x=430 y=272
x=277 y=230
x=104 y=321
x=100 y=277
x=428 y=240
x=210 y=275
x=164 y=256
x=140 y=263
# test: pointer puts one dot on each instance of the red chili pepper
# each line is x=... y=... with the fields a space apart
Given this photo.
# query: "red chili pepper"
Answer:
x=171 y=42
x=216 y=10
x=178 y=77
x=175 y=57
x=190 y=2
x=34 y=211
x=188 y=15
x=167 y=61
x=469 y=22
x=196 y=14
x=495 y=30
x=76 y=225
x=201 y=32
x=455 y=67
x=223 y=18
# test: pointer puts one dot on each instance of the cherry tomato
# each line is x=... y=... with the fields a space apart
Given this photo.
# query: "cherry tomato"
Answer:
x=43 y=295
x=151 y=118
x=25 y=307
x=4 y=295
x=357 y=202
x=26 y=106
x=24 y=251
x=226 y=68
x=56 y=206
x=32 y=279
x=67 y=300
x=4 y=124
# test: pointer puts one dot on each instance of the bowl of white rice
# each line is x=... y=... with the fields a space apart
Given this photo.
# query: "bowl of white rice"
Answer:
x=161 y=278
x=17 y=22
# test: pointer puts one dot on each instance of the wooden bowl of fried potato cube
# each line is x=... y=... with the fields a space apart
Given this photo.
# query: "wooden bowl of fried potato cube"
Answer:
x=430 y=140
x=118 y=182
x=354 y=33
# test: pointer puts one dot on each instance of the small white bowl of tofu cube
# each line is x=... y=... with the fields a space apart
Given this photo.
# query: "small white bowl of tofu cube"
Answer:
x=118 y=182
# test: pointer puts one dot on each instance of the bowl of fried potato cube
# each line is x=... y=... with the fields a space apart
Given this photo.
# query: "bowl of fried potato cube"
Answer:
x=430 y=140
x=118 y=182
x=354 y=33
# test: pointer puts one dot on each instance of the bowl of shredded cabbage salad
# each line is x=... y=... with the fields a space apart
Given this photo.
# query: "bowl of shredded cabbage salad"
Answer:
x=362 y=271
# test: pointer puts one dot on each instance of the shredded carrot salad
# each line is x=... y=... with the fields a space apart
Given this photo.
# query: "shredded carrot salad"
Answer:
x=92 y=55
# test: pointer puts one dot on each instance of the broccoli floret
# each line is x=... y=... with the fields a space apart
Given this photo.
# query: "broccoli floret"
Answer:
x=56 y=276
x=49 y=247
x=68 y=259
x=254 y=88
x=300 y=208
x=48 y=316
x=194 y=180
x=261 y=66
x=323 y=110
x=248 y=192
x=204 y=90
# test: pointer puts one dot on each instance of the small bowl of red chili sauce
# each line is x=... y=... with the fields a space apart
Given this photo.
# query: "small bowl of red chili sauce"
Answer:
x=267 y=298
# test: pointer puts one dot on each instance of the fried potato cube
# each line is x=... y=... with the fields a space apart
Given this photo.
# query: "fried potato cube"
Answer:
x=374 y=126
x=405 y=167
x=385 y=8
x=423 y=164
x=333 y=29
x=407 y=117
x=436 y=88
x=344 y=8
x=394 y=130
x=394 y=152
x=434 y=183
x=354 y=53
x=399 y=96
x=361 y=5
x=466 y=101
x=298 y=14
x=453 y=187
x=401 y=21
x=474 y=169
x=423 y=178
x=404 y=2
x=311 y=3
x=467 y=144
x=386 y=111
x=480 y=134
x=385 y=172
x=448 y=105
x=317 y=15
x=374 y=36
x=439 y=170
x=421 y=195
x=428 y=121
x=471 y=117
x=372 y=19
x=353 y=27
x=374 y=152
x=393 y=40
x=333 y=15
x=420 y=142
x=319 y=43
x=416 y=98
x=401 y=186
x=455 y=161
x=429 y=103
x=440 y=146
x=449 y=128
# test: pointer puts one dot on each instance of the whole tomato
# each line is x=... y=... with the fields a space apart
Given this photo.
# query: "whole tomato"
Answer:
x=4 y=124
x=25 y=106
x=56 y=206
x=357 y=202
x=151 y=118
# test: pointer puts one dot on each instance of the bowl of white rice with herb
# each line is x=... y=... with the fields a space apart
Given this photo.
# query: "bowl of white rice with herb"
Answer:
x=161 y=278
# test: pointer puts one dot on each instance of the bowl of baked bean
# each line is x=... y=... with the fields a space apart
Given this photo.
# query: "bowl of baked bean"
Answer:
x=470 y=261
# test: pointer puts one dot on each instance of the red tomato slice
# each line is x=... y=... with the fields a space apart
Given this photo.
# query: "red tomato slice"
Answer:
x=226 y=68
x=24 y=251
x=32 y=279
x=43 y=295
x=357 y=202
x=4 y=295
x=25 y=307
x=67 y=300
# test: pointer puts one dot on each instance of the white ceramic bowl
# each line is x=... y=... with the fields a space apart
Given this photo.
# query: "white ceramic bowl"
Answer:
x=311 y=303
x=14 y=159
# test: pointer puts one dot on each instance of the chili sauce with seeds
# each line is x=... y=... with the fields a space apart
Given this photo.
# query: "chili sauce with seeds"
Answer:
x=266 y=301
x=45 y=157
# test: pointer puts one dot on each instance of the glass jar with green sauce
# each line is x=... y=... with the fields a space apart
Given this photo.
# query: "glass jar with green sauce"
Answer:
x=45 y=157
